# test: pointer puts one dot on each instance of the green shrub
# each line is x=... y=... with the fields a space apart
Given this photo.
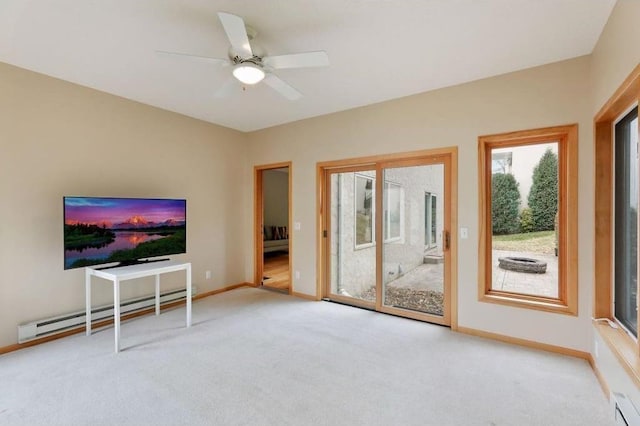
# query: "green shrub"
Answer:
x=505 y=200
x=526 y=220
x=543 y=196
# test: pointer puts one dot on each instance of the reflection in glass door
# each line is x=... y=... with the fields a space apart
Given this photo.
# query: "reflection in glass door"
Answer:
x=351 y=236
x=413 y=253
x=430 y=220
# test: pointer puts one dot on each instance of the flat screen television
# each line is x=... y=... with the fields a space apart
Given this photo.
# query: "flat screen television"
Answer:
x=125 y=230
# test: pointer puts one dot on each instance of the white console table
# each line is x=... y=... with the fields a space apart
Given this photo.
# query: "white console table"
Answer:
x=123 y=273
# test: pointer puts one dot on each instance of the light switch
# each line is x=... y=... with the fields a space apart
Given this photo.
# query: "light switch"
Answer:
x=464 y=233
x=296 y=226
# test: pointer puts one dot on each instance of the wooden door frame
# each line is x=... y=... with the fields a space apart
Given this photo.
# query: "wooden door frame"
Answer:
x=451 y=178
x=258 y=222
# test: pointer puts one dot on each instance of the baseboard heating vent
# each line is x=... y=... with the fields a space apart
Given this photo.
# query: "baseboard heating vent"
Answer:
x=61 y=323
x=625 y=413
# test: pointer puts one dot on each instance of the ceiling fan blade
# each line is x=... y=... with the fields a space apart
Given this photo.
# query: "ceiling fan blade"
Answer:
x=277 y=84
x=298 y=60
x=237 y=33
x=227 y=88
x=216 y=61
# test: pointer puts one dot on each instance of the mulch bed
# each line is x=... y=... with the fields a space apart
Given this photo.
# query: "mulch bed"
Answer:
x=429 y=301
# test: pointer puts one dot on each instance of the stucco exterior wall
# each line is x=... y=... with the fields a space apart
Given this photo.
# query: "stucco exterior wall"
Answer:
x=353 y=266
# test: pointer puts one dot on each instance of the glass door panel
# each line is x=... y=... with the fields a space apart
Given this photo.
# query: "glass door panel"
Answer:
x=626 y=221
x=413 y=251
x=351 y=236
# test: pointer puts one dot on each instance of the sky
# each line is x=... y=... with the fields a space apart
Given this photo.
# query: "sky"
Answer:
x=112 y=211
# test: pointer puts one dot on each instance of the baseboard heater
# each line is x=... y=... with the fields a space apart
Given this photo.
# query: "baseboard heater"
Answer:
x=625 y=413
x=61 y=323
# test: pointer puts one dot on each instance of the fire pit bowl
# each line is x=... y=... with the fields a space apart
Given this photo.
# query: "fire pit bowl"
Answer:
x=522 y=264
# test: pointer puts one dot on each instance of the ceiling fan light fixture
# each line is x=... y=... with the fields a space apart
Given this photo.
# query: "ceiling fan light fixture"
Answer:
x=248 y=73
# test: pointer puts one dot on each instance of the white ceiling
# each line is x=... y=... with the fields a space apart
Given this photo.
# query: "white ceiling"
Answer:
x=378 y=49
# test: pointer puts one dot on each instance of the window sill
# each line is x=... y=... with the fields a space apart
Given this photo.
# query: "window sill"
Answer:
x=624 y=348
x=364 y=246
x=529 y=302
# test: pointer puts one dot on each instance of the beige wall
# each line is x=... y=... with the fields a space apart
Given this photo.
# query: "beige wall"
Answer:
x=614 y=57
x=60 y=139
x=276 y=197
x=545 y=96
x=617 y=52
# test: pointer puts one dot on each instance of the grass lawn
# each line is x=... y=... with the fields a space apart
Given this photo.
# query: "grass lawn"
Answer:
x=536 y=242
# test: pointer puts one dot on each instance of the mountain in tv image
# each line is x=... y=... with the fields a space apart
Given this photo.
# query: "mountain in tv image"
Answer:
x=98 y=230
x=140 y=222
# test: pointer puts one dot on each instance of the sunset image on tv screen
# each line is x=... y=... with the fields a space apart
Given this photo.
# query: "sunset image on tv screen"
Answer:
x=105 y=230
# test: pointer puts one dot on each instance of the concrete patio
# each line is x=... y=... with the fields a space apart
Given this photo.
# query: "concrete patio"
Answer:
x=431 y=277
x=519 y=282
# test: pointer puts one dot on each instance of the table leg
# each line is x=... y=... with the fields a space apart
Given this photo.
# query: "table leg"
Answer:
x=157 y=294
x=189 y=295
x=87 y=293
x=116 y=312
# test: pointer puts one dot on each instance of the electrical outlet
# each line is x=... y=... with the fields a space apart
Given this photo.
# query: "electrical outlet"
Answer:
x=207 y=275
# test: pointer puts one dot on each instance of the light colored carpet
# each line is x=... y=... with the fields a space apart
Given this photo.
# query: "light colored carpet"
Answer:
x=255 y=357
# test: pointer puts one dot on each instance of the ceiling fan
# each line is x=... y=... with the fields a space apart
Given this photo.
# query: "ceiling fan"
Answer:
x=251 y=65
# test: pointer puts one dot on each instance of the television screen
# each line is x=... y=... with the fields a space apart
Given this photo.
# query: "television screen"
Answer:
x=124 y=230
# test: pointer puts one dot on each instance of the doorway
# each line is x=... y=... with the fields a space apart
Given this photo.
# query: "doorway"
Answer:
x=272 y=227
x=388 y=233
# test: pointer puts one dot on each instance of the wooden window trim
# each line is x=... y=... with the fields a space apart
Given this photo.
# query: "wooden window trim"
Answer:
x=624 y=346
x=567 y=137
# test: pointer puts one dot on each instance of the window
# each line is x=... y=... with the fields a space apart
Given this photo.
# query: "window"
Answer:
x=364 y=208
x=608 y=285
x=528 y=219
x=501 y=161
x=430 y=220
x=393 y=212
x=626 y=221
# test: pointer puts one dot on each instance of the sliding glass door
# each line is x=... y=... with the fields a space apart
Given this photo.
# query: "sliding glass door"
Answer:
x=386 y=238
